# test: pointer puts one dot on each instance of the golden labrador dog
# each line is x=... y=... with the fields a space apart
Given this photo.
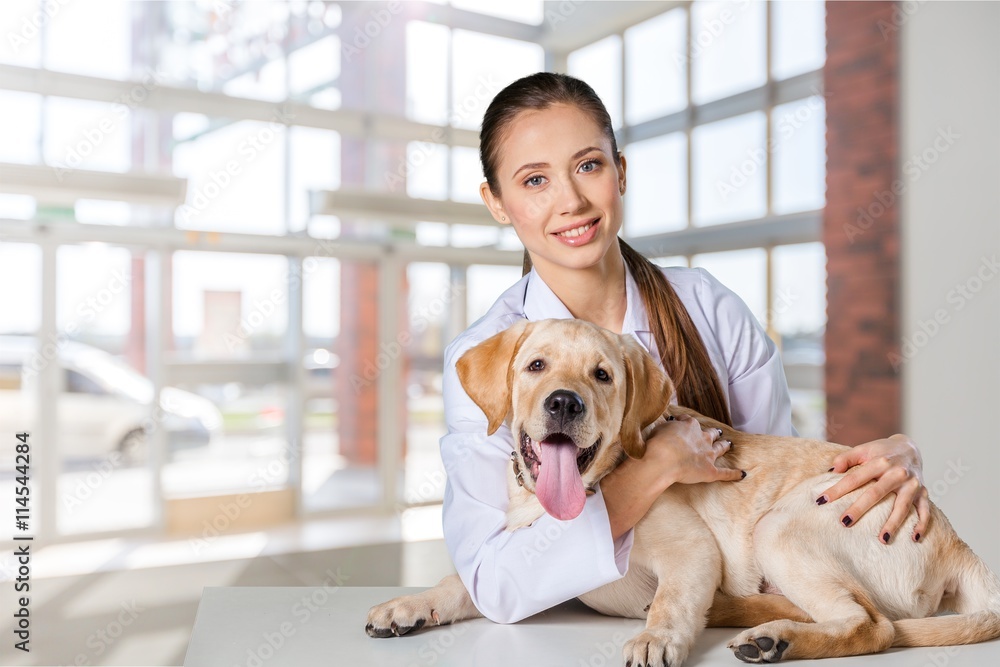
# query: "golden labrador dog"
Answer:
x=582 y=398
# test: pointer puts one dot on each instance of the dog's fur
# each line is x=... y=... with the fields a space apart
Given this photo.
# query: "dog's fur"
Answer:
x=707 y=552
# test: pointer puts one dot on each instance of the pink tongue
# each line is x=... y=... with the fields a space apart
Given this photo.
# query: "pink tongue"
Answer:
x=559 y=487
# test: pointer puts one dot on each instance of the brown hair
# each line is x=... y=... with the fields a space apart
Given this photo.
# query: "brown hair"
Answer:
x=682 y=350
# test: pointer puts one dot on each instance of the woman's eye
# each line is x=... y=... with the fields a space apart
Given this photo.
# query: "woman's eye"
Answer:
x=534 y=181
x=589 y=165
x=602 y=375
x=536 y=365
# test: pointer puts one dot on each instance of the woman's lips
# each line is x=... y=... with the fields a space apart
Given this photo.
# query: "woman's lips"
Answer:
x=579 y=235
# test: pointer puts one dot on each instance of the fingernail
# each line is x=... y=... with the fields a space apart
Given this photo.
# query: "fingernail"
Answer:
x=830 y=470
x=744 y=475
x=916 y=538
x=847 y=521
x=821 y=500
x=885 y=537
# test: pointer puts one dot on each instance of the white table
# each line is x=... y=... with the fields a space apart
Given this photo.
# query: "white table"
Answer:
x=301 y=627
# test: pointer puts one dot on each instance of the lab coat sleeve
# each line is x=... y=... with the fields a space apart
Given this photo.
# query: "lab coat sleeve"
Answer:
x=512 y=575
x=758 y=391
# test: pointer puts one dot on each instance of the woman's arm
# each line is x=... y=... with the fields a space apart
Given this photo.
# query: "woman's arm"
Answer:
x=759 y=401
x=897 y=467
x=677 y=452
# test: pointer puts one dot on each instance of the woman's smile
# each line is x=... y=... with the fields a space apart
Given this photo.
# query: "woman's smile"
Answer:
x=578 y=233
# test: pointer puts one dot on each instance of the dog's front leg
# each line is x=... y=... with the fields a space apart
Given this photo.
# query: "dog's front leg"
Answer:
x=447 y=602
x=688 y=567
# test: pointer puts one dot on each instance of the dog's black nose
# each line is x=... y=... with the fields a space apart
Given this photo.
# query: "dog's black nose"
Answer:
x=564 y=404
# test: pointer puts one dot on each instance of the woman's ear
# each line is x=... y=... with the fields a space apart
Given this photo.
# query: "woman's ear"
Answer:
x=647 y=393
x=486 y=373
x=493 y=203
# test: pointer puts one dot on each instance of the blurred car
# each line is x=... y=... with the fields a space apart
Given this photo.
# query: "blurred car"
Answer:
x=104 y=405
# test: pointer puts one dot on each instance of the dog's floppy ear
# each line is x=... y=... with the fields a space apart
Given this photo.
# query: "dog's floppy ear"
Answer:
x=486 y=374
x=647 y=394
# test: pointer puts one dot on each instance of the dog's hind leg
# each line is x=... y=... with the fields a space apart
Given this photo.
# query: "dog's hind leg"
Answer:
x=745 y=612
x=447 y=602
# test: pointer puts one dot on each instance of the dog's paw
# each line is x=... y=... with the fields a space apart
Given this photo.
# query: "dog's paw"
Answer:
x=655 y=648
x=762 y=644
x=400 y=616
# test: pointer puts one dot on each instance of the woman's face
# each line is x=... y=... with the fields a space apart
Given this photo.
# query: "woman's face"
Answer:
x=559 y=186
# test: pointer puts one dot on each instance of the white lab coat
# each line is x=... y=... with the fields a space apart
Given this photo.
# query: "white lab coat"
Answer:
x=512 y=575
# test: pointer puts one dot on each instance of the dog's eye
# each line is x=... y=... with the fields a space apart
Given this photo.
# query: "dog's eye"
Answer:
x=536 y=365
x=602 y=375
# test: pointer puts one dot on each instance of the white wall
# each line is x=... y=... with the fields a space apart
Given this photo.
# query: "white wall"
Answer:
x=950 y=221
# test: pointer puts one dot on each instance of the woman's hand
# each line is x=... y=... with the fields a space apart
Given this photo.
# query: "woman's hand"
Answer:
x=896 y=465
x=686 y=453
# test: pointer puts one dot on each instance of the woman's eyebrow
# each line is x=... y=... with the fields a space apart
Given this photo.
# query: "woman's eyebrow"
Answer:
x=538 y=165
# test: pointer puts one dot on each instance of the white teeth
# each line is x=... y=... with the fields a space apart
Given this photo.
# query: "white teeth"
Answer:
x=571 y=233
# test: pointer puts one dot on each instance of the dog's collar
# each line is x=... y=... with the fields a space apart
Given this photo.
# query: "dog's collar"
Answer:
x=519 y=474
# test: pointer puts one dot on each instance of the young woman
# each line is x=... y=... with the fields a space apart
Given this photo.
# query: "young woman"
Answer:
x=554 y=172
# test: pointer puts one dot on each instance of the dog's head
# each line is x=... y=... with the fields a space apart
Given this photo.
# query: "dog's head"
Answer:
x=575 y=395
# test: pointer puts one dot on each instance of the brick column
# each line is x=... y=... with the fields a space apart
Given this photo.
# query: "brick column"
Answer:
x=861 y=221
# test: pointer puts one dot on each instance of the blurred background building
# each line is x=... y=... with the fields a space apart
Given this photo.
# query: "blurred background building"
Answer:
x=236 y=236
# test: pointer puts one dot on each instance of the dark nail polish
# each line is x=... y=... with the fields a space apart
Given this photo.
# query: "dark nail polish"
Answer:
x=744 y=475
x=916 y=538
x=847 y=521
x=821 y=500
x=830 y=470
x=885 y=537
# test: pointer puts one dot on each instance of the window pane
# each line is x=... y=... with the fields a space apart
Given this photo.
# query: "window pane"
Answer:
x=600 y=65
x=17 y=207
x=21 y=265
x=19 y=131
x=80 y=134
x=798 y=39
x=234 y=177
x=656 y=198
x=525 y=11
x=727 y=49
x=266 y=83
x=729 y=170
x=314 y=165
x=466 y=175
x=486 y=284
x=482 y=65
x=742 y=271
x=229 y=305
x=427 y=72
x=799 y=132
x=21 y=44
x=93 y=38
x=429 y=305
x=800 y=289
x=656 y=74
x=426 y=170
x=313 y=66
